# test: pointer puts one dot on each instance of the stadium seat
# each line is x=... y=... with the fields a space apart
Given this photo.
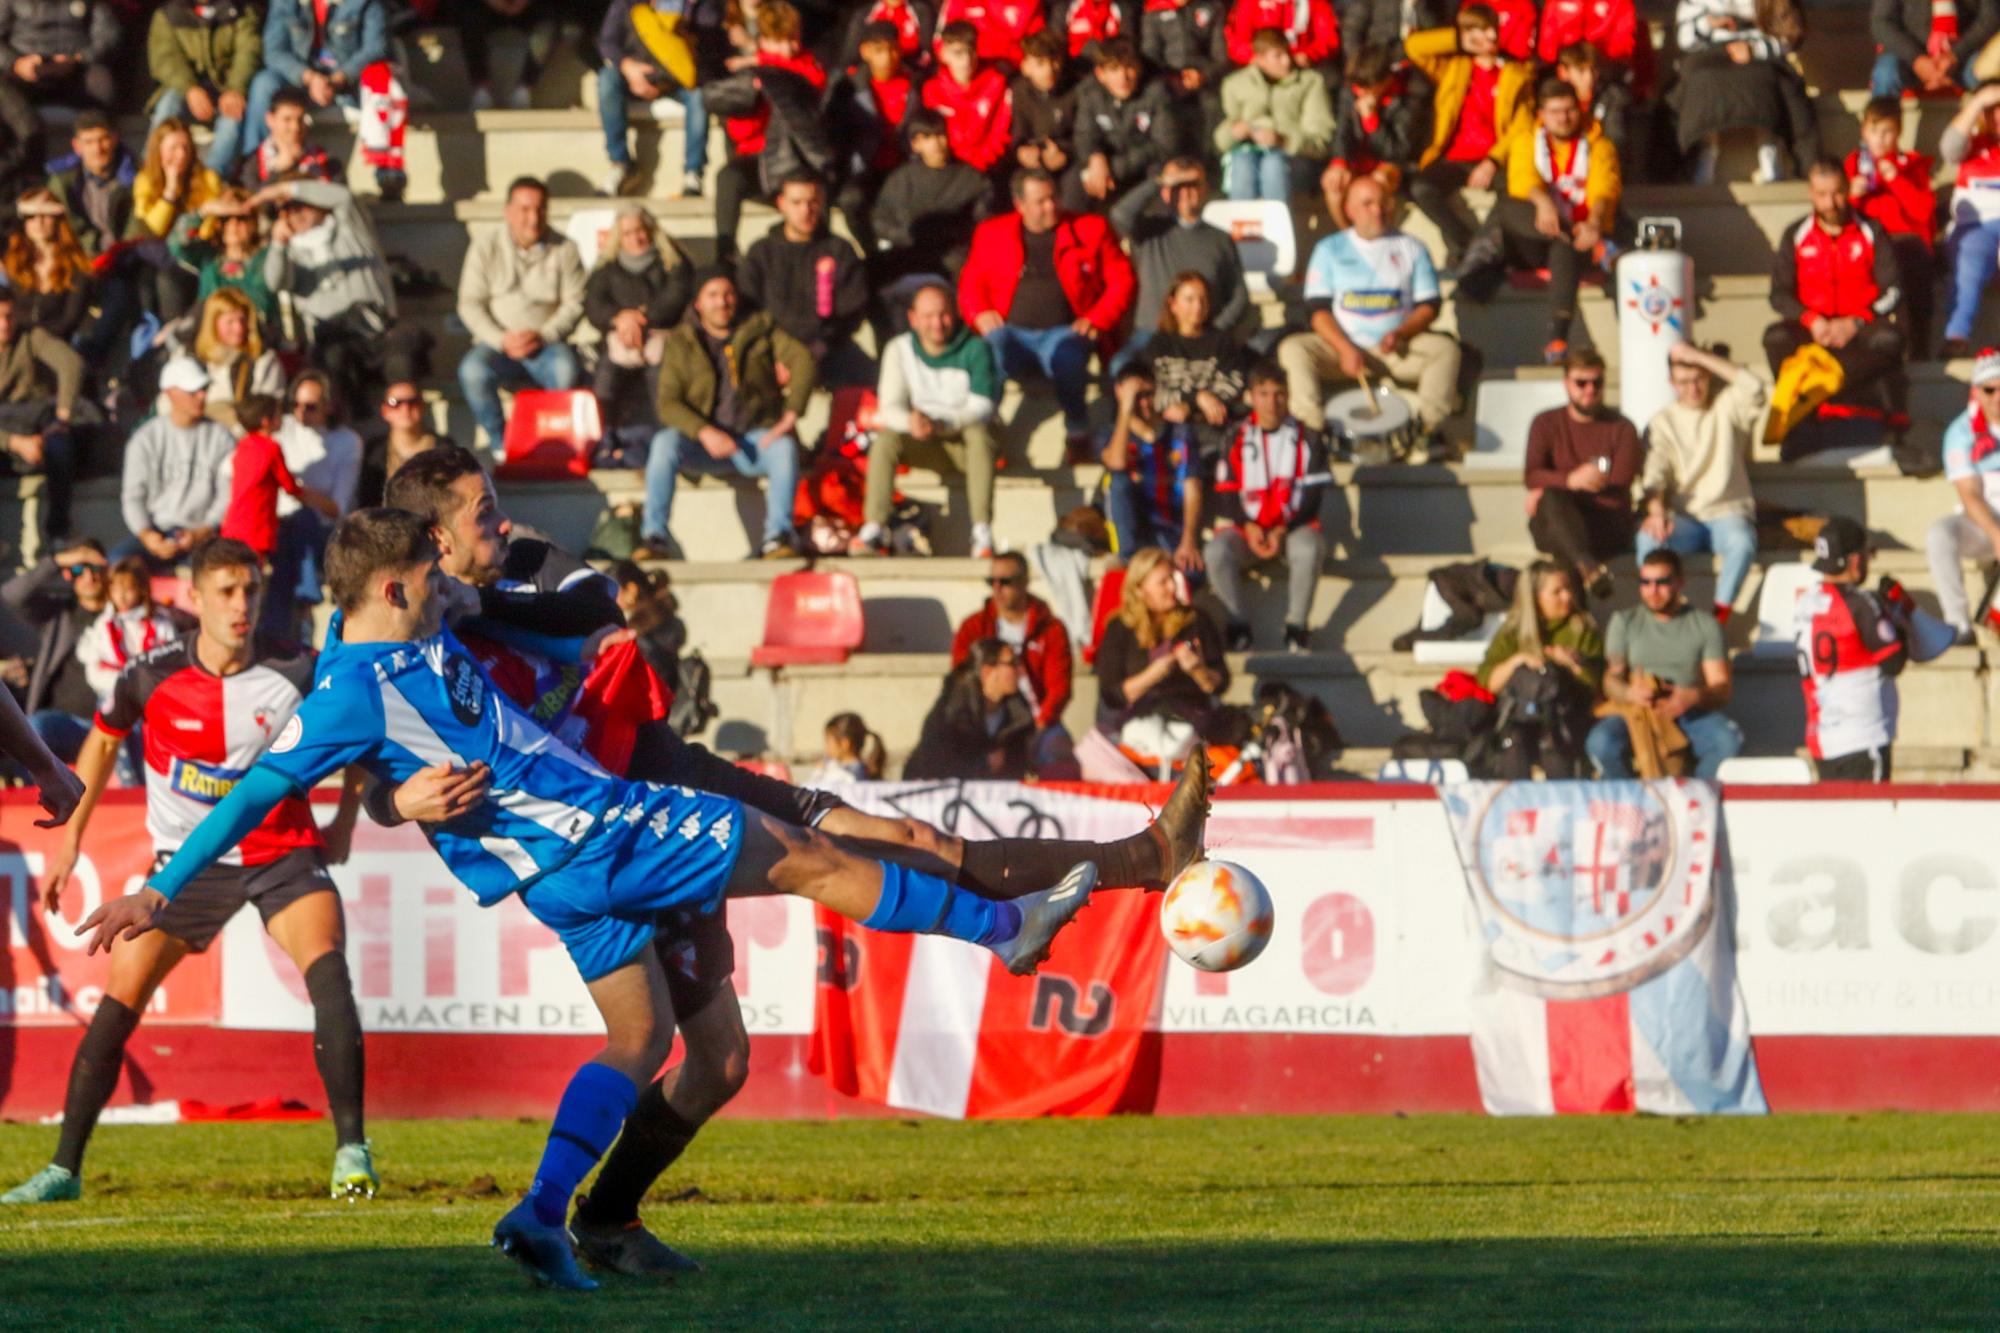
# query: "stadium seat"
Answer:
x=590 y=229
x=1788 y=770
x=1110 y=587
x=813 y=616
x=1468 y=651
x=1265 y=241
x=1504 y=410
x=1777 y=600
x=551 y=434
x=172 y=590
x=1431 y=772
x=770 y=768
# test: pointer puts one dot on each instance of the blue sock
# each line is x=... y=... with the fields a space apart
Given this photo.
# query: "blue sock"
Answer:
x=593 y=1107
x=914 y=903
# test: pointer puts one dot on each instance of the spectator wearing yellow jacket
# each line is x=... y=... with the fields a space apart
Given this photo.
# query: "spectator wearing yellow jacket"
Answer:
x=1480 y=101
x=1563 y=187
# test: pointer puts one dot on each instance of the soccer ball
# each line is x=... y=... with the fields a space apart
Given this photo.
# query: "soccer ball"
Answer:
x=1216 y=916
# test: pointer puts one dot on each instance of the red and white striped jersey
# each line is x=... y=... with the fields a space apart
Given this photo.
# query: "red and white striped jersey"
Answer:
x=1849 y=653
x=202 y=733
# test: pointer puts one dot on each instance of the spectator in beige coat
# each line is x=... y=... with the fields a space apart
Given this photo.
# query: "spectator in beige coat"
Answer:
x=520 y=295
x=1696 y=482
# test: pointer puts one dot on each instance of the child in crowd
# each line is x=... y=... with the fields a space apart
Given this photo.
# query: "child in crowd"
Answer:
x=258 y=473
x=1044 y=117
x=853 y=753
x=1380 y=126
x=646 y=599
x=882 y=97
x=1893 y=188
x=927 y=209
x=1275 y=117
x=973 y=97
x=130 y=626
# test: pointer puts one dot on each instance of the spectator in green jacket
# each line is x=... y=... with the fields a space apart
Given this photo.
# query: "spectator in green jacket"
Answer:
x=203 y=56
x=224 y=244
x=1277 y=124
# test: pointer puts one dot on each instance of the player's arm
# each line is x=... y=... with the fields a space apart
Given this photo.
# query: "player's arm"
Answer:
x=574 y=613
x=57 y=788
x=337 y=835
x=95 y=763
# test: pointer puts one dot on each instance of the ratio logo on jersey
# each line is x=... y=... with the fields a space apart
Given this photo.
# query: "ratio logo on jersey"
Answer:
x=461 y=683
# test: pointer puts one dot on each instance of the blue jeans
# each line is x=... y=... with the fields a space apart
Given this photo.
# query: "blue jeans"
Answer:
x=485 y=370
x=1257 y=173
x=1734 y=541
x=614 y=114
x=1130 y=352
x=1712 y=735
x=63 y=733
x=672 y=453
x=1057 y=353
x=1974 y=248
x=228 y=141
x=1889 y=77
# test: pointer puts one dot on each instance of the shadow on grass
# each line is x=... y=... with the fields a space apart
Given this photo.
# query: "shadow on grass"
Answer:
x=1552 y=1284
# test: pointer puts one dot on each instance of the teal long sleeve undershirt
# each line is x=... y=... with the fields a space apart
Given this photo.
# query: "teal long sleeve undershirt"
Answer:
x=248 y=802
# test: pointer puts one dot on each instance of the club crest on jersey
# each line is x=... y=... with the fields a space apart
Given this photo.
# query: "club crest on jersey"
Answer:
x=461 y=686
x=290 y=736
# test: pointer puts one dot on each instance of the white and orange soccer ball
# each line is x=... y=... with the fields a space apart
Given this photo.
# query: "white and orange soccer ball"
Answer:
x=1216 y=916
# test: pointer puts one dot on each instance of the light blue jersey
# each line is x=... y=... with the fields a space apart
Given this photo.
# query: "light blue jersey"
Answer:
x=1370 y=286
x=1971 y=453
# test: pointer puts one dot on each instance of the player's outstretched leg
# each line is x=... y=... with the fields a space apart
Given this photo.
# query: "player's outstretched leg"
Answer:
x=639 y=1031
x=137 y=968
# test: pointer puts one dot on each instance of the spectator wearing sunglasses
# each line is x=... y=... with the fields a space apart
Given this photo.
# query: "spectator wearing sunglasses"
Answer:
x=1582 y=461
x=1024 y=622
x=404 y=431
x=326 y=457
x=61 y=598
x=1668 y=659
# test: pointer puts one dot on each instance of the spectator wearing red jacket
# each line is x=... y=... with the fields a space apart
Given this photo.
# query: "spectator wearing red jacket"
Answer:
x=1001 y=25
x=778 y=48
x=1309 y=26
x=1018 y=618
x=1612 y=26
x=1835 y=283
x=1892 y=189
x=1085 y=23
x=973 y=98
x=1045 y=290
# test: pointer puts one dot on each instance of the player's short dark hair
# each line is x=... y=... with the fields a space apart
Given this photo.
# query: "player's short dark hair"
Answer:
x=257 y=411
x=368 y=542
x=1267 y=371
x=925 y=122
x=1118 y=51
x=1269 y=39
x=1026 y=174
x=1553 y=89
x=1664 y=557
x=91 y=119
x=881 y=30
x=960 y=33
x=1041 y=44
x=1368 y=66
x=534 y=183
x=1477 y=15
x=423 y=485
x=1883 y=108
x=289 y=97
x=223 y=553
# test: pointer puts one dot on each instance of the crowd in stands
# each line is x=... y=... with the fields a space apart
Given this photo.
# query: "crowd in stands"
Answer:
x=970 y=195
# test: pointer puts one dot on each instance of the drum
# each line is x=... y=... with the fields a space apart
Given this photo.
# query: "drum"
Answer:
x=1372 y=426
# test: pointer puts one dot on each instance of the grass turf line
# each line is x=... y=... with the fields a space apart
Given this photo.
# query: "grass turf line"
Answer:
x=1877 y=1221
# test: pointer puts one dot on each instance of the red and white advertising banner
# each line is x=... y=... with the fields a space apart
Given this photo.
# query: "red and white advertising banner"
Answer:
x=1855 y=917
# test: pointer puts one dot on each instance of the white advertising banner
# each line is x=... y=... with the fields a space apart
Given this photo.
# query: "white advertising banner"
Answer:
x=1855 y=918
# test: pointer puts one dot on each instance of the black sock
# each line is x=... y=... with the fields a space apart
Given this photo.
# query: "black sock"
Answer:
x=655 y=1135
x=337 y=1043
x=93 y=1076
x=1010 y=867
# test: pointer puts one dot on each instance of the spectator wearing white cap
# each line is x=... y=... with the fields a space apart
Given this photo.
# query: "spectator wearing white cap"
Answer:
x=1972 y=466
x=176 y=481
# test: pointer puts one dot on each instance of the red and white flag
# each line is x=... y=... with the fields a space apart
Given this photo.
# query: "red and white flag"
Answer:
x=926 y=1023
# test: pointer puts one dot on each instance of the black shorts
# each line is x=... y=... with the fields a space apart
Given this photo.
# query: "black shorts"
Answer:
x=200 y=911
x=698 y=956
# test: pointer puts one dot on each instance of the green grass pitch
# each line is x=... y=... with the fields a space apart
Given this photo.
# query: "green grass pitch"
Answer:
x=1437 y=1222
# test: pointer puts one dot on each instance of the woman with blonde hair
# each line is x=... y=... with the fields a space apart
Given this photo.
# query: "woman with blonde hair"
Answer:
x=1546 y=667
x=1158 y=657
x=171 y=182
x=47 y=268
x=228 y=345
x=641 y=285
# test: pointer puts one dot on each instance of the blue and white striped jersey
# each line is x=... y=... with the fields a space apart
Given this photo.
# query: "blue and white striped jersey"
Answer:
x=395 y=708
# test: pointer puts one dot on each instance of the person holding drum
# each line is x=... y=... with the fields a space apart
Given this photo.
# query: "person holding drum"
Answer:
x=1374 y=296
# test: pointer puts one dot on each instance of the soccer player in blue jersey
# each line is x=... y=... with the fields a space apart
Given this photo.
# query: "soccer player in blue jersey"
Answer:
x=596 y=859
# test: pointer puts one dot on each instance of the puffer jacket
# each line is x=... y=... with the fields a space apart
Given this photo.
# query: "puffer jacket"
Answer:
x=757 y=347
x=662 y=291
x=357 y=35
x=184 y=51
x=1137 y=135
x=792 y=137
x=1435 y=54
x=1186 y=34
x=57 y=27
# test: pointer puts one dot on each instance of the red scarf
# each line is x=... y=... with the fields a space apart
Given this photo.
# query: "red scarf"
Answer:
x=1944 y=29
x=1983 y=442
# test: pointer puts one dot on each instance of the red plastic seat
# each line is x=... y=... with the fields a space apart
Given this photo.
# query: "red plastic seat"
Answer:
x=813 y=617
x=551 y=434
x=172 y=590
x=1110 y=588
x=770 y=768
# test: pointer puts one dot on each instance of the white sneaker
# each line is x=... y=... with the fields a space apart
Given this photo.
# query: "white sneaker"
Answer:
x=691 y=184
x=482 y=98
x=662 y=107
x=520 y=99
x=1770 y=168
x=982 y=541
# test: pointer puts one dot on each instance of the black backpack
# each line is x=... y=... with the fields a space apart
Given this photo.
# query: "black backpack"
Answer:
x=693 y=709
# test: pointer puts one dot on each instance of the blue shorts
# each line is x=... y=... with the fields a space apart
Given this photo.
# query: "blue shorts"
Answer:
x=666 y=849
